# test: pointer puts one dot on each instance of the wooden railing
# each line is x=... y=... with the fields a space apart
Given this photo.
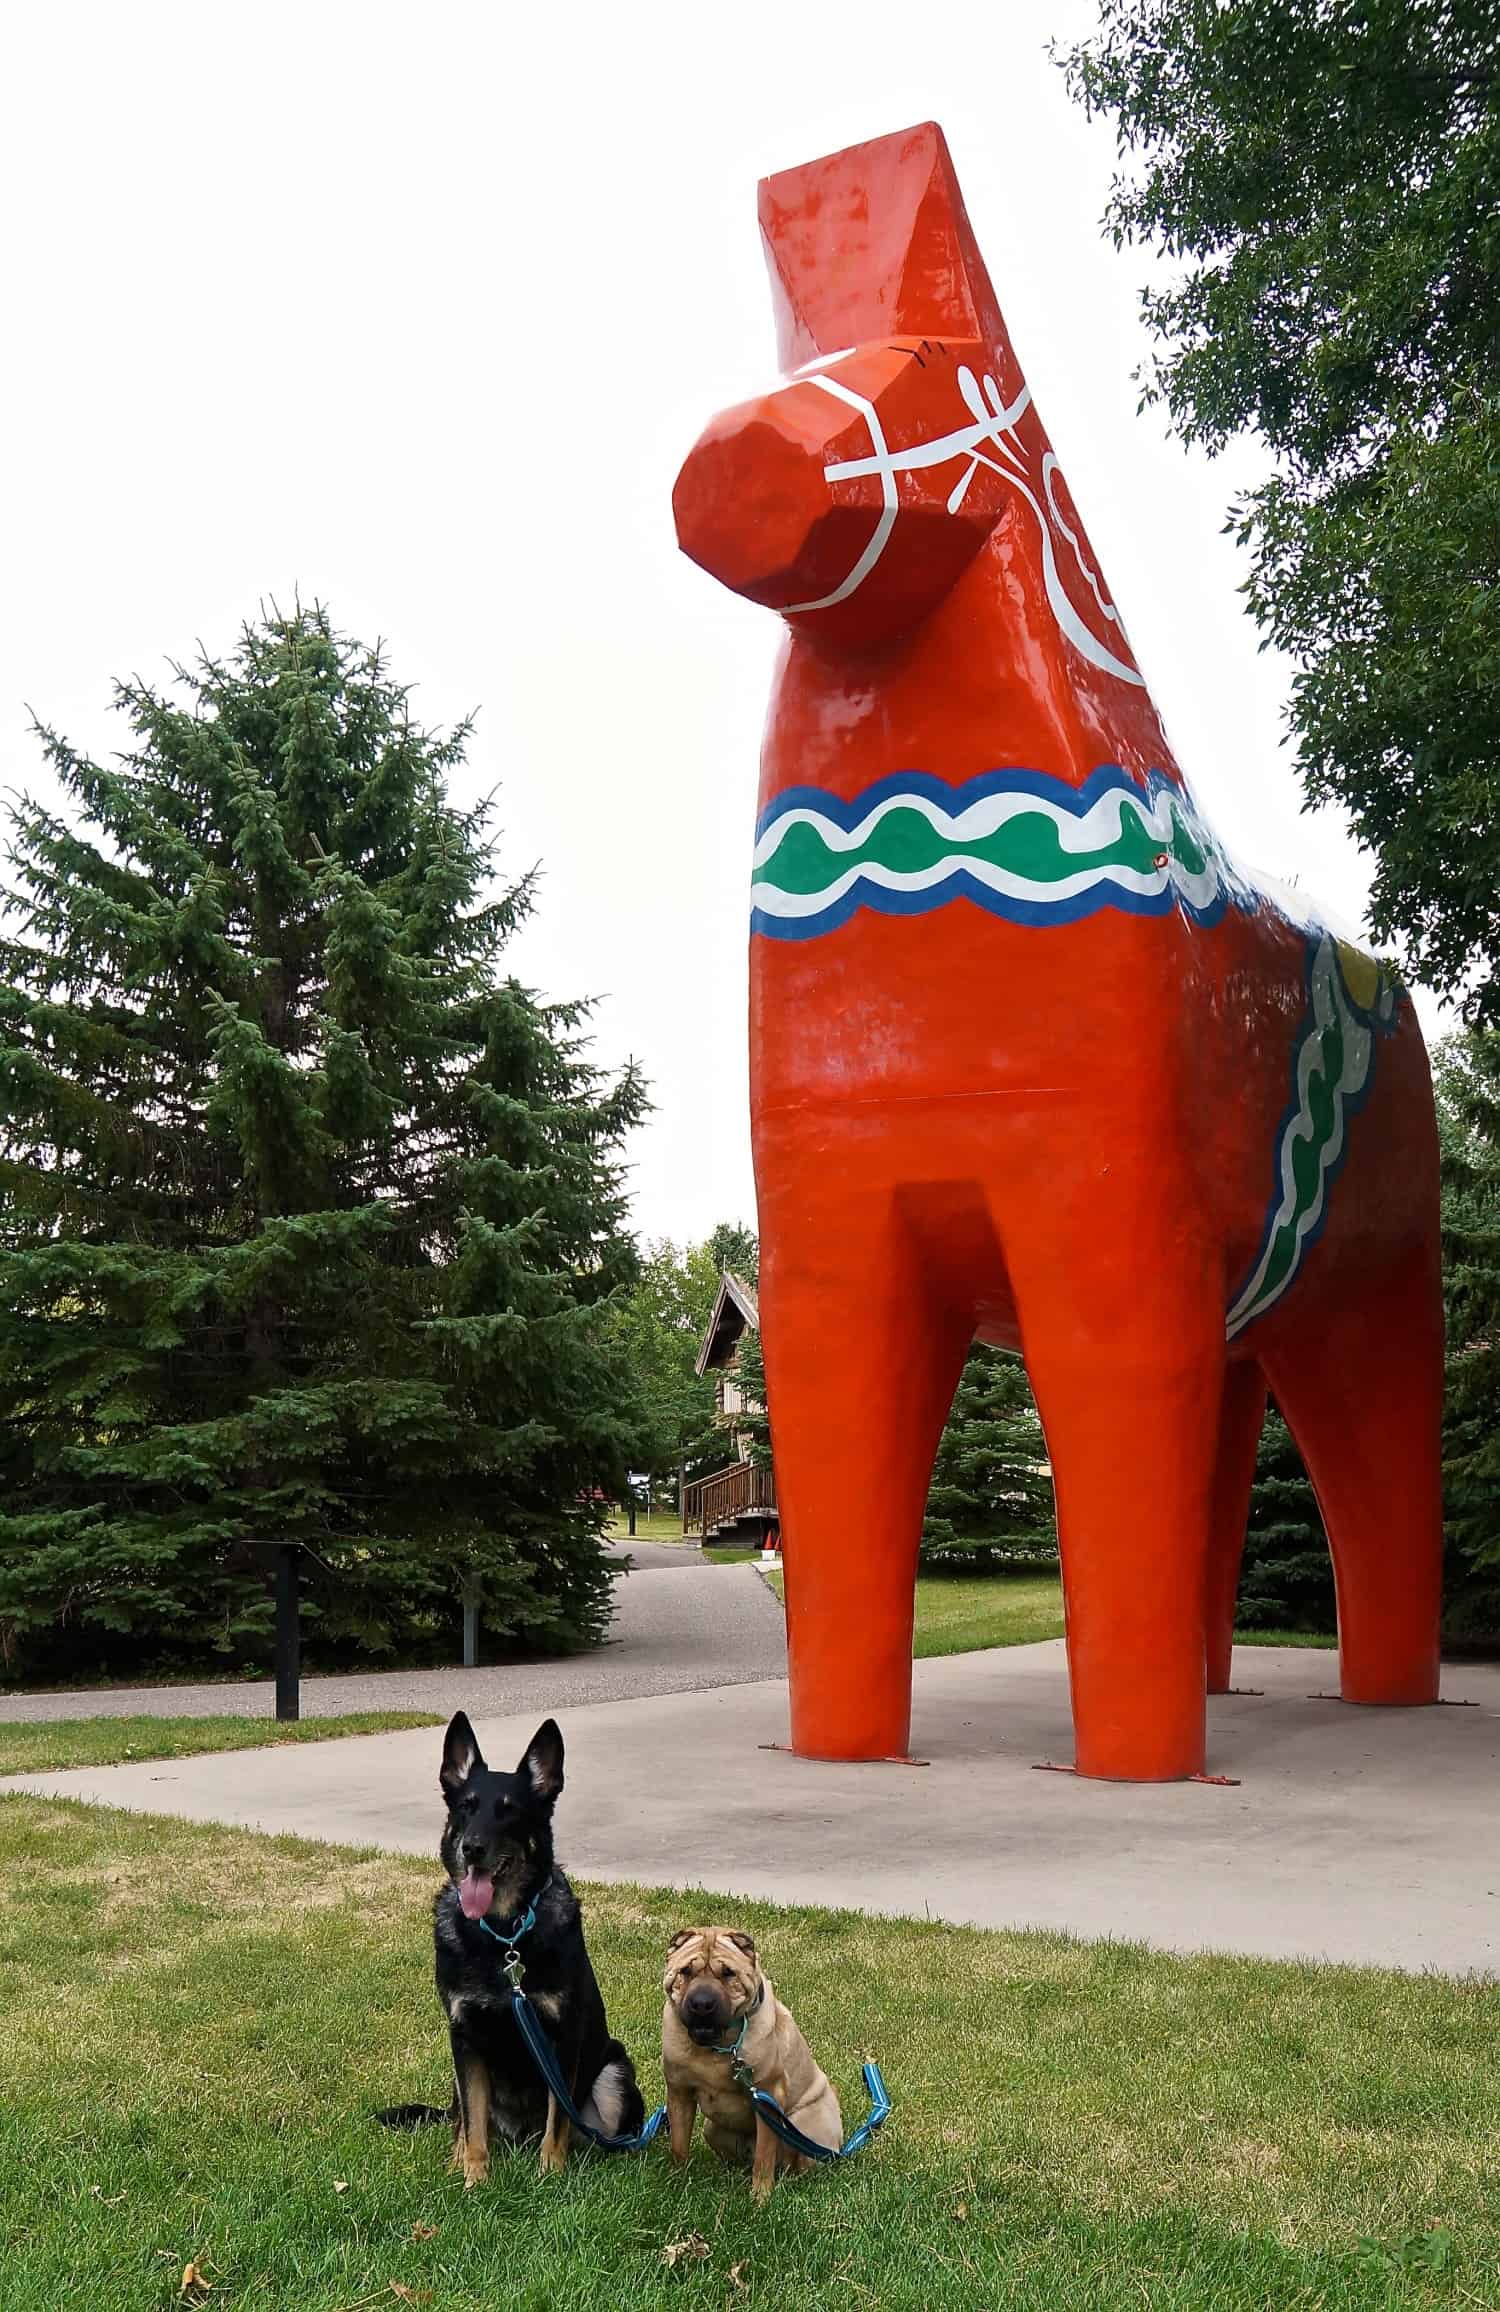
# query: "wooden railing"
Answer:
x=744 y=1489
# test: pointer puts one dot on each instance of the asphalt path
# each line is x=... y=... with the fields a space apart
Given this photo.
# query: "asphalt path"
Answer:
x=680 y=1625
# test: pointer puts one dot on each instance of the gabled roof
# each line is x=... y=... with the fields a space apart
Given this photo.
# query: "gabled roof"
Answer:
x=734 y=1310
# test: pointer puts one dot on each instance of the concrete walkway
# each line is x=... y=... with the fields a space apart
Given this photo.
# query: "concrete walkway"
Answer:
x=656 y=1556
x=1364 y=1835
x=679 y=1625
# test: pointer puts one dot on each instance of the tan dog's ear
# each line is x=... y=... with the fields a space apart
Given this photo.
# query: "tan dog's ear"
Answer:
x=745 y=1943
x=683 y=1935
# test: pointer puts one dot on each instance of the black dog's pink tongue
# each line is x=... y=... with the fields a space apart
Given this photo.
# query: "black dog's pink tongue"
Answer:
x=476 y=1892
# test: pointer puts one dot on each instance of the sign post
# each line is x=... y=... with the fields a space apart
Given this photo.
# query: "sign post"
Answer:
x=288 y=1633
x=279 y=1563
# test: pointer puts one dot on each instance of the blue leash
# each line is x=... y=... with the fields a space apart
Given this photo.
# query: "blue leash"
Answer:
x=544 y=2055
x=776 y=2120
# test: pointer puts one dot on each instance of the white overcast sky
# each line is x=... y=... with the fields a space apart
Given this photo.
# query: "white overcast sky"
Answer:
x=419 y=310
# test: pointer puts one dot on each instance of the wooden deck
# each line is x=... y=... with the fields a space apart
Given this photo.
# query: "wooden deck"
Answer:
x=743 y=1495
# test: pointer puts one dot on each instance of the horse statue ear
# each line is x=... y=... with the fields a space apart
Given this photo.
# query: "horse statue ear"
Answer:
x=872 y=243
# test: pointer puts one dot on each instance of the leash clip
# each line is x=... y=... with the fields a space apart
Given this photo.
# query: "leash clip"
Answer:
x=513 y=1970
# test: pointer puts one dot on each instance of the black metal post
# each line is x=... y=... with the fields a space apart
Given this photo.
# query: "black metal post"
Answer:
x=471 y=1625
x=288 y=1634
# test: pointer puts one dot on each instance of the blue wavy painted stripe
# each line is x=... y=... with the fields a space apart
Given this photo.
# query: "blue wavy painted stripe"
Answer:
x=1018 y=843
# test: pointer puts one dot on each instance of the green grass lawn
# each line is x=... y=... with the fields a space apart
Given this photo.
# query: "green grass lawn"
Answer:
x=966 y=1613
x=26 y=1747
x=962 y=1613
x=669 y=1528
x=1310 y=1638
x=195 y=2024
x=662 y=1525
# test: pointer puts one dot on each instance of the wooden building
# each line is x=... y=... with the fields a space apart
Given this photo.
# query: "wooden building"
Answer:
x=738 y=1502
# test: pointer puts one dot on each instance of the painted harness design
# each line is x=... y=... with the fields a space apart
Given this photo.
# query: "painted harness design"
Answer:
x=994 y=425
x=1031 y=848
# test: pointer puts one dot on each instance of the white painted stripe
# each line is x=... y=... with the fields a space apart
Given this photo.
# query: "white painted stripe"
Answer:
x=1090 y=830
x=887 y=521
x=994 y=420
x=1198 y=890
x=1328 y=1002
x=938 y=452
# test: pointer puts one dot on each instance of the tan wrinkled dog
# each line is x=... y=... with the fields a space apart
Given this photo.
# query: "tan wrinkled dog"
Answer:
x=721 y=2013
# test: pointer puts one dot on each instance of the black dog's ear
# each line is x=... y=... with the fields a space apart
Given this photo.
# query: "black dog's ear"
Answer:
x=683 y=1935
x=745 y=1943
x=543 y=1762
x=461 y=1756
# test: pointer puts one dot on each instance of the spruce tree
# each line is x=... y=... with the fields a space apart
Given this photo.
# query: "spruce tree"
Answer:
x=1286 y=1573
x=309 y=1210
x=991 y=1494
x=1468 y=1089
x=1287 y=1579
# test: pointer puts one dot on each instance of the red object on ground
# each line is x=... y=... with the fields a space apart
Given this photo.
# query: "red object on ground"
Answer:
x=1031 y=1059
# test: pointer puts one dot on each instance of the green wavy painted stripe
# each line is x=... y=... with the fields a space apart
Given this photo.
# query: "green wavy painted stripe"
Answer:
x=1335 y=1058
x=1020 y=843
x=1029 y=847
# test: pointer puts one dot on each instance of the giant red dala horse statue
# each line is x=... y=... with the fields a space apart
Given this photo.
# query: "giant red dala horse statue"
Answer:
x=1031 y=1060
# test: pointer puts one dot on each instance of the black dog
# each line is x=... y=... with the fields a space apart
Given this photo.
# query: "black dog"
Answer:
x=497 y=1851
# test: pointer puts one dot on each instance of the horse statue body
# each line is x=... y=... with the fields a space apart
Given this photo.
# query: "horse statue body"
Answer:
x=1032 y=1061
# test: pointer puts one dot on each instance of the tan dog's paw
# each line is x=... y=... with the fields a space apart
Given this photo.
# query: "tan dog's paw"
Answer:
x=767 y=2159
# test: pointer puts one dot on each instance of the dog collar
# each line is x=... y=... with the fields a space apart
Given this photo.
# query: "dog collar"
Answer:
x=508 y=1937
x=732 y=2048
